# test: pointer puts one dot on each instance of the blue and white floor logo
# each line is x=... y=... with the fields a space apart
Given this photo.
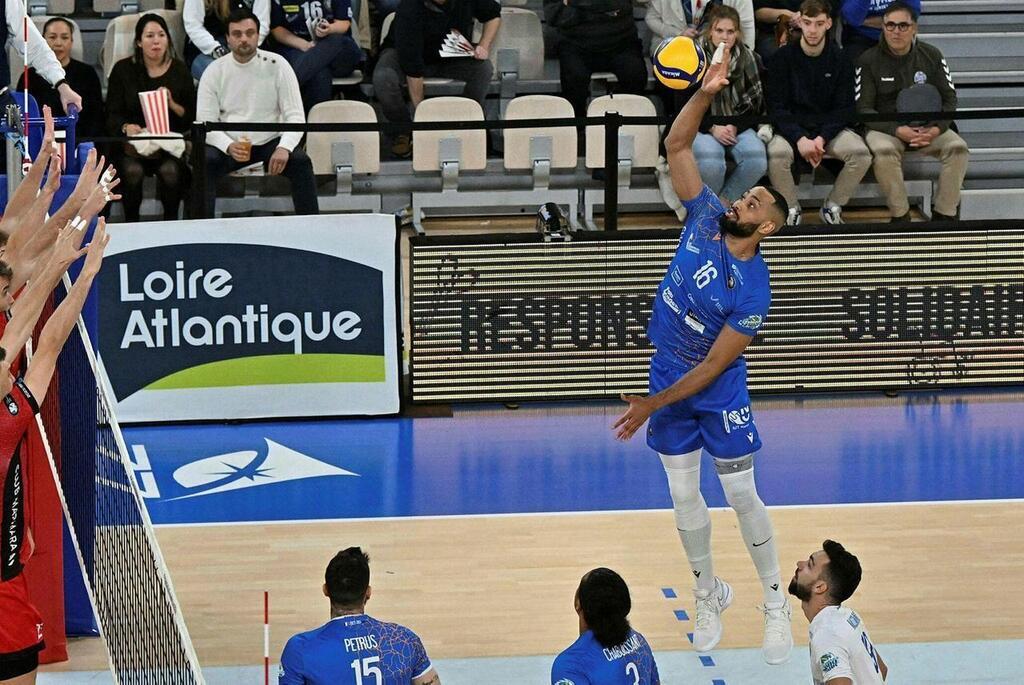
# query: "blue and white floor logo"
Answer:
x=235 y=470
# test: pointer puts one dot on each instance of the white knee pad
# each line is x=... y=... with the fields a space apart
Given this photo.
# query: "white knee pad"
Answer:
x=737 y=478
x=683 y=472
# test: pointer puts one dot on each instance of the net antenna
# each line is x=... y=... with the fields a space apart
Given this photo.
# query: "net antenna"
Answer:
x=128 y=582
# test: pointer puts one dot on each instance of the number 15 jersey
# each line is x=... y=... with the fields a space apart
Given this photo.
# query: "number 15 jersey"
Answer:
x=354 y=650
x=695 y=301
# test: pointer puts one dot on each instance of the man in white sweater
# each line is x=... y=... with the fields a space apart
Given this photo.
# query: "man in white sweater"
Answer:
x=255 y=86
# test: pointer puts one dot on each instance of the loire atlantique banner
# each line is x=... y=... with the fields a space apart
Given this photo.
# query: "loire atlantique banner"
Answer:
x=251 y=318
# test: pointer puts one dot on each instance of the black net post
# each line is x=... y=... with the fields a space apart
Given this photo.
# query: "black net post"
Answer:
x=198 y=137
x=612 y=122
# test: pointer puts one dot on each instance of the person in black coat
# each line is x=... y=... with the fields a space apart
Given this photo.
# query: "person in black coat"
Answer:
x=152 y=67
x=596 y=35
x=59 y=35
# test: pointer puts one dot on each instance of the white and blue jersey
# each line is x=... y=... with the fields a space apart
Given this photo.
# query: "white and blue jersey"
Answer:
x=587 y=662
x=705 y=289
x=301 y=18
x=354 y=650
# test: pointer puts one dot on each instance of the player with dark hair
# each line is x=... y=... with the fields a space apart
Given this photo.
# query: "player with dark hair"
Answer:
x=21 y=630
x=608 y=651
x=711 y=303
x=841 y=651
x=353 y=648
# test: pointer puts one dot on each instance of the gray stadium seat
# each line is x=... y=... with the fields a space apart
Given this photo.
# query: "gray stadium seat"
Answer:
x=638 y=148
x=345 y=153
x=447 y=152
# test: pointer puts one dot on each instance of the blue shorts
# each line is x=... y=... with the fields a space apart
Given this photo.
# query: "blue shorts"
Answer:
x=718 y=418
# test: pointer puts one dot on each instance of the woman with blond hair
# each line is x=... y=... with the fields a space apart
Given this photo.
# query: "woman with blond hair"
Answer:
x=743 y=96
x=206 y=24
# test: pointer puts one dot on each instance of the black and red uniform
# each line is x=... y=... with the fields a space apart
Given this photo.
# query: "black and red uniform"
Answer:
x=21 y=630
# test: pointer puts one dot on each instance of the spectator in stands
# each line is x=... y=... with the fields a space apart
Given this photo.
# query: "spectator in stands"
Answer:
x=743 y=96
x=316 y=39
x=814 y=78
x=371 y=646
x=896 y=65
x=671 y=18
x=862 y=24
x=412 y=52
x=152 y=67
x=206 y=25
x=596 y=35
x=59 y=35
x=608 y=649
x=254 y=86
x=40 y=57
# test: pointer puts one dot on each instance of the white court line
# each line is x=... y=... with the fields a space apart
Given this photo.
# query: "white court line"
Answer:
x=442 y=517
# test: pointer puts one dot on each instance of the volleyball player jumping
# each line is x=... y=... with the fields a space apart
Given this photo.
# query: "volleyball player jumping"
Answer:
x=713 y=300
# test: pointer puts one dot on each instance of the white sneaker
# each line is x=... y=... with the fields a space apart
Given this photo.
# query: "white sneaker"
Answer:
x=795 y=217
x=831 y=214
x=778 y=636
x=710 y=605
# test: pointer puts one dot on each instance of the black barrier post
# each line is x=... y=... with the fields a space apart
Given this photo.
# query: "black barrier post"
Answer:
x=612 y=122
x=198 y=137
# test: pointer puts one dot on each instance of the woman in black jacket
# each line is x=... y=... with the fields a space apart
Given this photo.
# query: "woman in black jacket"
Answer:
x=152 y=67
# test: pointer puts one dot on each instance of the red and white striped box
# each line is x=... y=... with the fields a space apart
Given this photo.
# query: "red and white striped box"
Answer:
x=155 y=111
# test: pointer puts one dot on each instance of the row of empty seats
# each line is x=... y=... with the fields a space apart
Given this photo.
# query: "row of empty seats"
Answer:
x=544 y=154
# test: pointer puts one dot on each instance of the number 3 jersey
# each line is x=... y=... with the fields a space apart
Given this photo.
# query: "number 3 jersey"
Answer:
x=840 y=648
x=695 y=300
x=354 y=650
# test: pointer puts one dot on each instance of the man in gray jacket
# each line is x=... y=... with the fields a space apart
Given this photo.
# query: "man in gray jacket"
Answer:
x=897 y=63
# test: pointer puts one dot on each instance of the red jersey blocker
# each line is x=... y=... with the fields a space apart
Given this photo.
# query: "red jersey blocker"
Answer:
x=21 y=630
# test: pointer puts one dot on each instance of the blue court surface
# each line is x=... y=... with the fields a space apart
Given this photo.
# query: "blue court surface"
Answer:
x=917 y=448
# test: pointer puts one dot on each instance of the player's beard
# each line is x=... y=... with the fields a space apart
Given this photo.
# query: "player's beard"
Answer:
x=735 y=228
x=801 y=593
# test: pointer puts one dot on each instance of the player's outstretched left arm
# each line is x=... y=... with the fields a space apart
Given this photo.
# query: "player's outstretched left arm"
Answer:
x=727 y=347
x=682 y=165
x=26 y=191
x=58 y=327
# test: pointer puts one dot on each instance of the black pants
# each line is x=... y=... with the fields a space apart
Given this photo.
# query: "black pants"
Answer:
x=172 y=180
x=577 y=64
x=298 y=170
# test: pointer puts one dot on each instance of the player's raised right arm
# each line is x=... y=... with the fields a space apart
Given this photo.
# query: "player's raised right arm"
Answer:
x=682 y=164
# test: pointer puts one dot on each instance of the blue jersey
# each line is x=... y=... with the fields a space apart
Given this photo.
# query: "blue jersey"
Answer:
x=587 y=662
x=354 y=650
x=695 y=300
x=302 y=17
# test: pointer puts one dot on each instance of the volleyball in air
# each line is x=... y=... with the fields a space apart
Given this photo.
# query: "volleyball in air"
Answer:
x=679 y=62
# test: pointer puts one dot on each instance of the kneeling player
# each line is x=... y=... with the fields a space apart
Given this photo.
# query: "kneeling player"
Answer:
x=608 y=651
x=353 y=648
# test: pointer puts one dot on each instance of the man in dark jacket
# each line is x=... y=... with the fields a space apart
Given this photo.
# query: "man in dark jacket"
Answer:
x=813 y=78
x=413 y=52
x=898 y=62
x=596 y=35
